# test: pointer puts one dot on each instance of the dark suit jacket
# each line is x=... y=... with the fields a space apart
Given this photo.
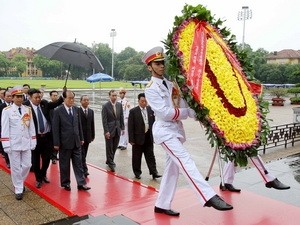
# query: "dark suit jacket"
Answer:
x=2 y=106
x=112 y=123
x=136 y=125
x=67 y=132
x=88 y=125
x=46 y=107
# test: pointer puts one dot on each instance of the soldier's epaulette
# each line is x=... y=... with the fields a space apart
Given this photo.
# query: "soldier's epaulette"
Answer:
x=7 y=107
x=149 y=84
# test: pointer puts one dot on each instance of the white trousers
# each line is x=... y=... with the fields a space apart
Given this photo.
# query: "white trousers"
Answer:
x=179 y=160
x=20 y=163
x=229 y=170
x=123 y=142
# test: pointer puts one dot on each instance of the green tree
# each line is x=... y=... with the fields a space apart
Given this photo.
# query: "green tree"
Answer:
x=50 y=68
x=294 y=73
x=130 y=66
x=103 y=52
x=134 y=72
x=4 y=65
x=19 y=62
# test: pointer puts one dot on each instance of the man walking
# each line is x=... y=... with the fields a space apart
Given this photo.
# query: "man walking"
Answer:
x=168 y=131
x=126 y=107
x=88 y=128
x=7 y=102
x=53 y=98
x=41 y=117
x=113 y=126
x=18 y=139
x=67 y=139
x=140 y=122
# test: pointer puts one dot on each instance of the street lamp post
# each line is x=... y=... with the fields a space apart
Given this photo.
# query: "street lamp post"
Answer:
x=113 y=33
x=245 y=14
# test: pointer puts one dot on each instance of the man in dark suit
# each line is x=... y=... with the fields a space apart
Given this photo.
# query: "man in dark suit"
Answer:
x=140 y=122
x=67 y=139
x=26 y=88
x=53 y=97
x=7 y=101
x=113 y=126
x=2 y=90
x=41 y=117
x=88 y=128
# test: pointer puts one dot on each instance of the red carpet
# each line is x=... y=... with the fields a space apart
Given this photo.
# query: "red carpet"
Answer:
x=113 y=195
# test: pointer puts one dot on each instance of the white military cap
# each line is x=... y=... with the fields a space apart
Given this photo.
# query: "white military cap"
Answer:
x=155 y=54
x=16 y=90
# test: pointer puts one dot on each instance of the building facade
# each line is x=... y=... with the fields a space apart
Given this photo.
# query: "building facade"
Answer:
x=31 y=70
x=286 y=56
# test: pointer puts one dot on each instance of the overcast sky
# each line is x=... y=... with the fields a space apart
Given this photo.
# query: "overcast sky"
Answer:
x=141 y=24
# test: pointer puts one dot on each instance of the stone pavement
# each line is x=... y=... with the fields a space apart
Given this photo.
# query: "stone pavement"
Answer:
x=35 y=210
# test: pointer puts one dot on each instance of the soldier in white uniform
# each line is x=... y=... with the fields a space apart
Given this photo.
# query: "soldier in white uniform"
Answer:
x=126 y=107
x=168 y=131
x=18 y=139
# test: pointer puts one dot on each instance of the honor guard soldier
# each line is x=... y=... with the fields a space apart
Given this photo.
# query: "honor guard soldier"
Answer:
x=164 y=98
x=126 y=107
x=18 y=139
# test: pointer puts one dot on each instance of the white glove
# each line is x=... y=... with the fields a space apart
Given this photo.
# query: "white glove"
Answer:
x=7 y=150
x=191 y=113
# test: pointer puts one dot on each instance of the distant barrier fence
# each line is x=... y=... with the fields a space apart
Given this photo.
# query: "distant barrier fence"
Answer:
x=282 y=135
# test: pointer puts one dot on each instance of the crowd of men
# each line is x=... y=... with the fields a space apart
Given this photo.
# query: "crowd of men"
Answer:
x=58 y=130
x=34 y=125
x=28 y=142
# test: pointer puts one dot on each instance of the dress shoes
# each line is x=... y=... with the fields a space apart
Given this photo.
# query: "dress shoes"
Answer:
x=123 y=148
x=83 y=188
x=168 y=212
x=154 y=176
x=218 y=203
x=277 y=185
x=38 y=184
x=67 y=187
x=112 y=168
x=138 y=177
x=46 y=180
x=19 y=196
x=229 y=187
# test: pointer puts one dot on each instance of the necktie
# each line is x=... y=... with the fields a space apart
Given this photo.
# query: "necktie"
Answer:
x=145 y=117
x=70 y=114
x=85 y=112
x=40 y=120
x=20 y=110
x=164 y=83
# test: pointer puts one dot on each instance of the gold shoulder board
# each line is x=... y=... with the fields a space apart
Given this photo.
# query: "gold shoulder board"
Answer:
x=150 y=83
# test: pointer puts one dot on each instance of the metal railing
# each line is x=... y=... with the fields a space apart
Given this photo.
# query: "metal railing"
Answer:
x=282 y=135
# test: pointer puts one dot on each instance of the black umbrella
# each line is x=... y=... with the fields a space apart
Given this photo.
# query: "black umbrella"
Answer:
x=71 y=53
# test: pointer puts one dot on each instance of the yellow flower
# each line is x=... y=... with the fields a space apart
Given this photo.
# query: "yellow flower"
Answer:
x=232 y=108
